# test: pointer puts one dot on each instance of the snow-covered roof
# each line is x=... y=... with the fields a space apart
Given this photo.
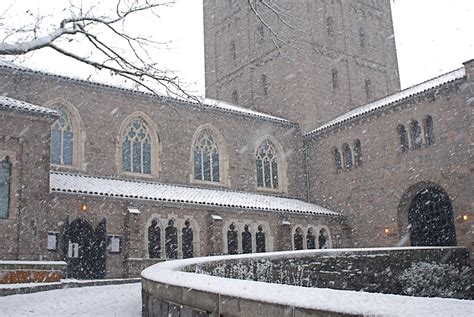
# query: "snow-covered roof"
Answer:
x=11 y=104
x=392 y=99
x=121 y=188
x=202 y=103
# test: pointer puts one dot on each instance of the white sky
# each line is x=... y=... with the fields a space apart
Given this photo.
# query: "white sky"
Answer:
x=432 y=36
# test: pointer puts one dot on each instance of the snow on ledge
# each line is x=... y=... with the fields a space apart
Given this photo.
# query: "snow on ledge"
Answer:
x=353 y=302
x=16 y=105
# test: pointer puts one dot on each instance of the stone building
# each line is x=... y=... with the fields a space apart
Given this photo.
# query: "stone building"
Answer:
x=308 y=61
x=113 y=180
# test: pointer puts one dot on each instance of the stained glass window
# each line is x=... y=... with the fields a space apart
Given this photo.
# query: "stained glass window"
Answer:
x=267 y=165
x=5 y=183
x=206 y=157
x=62 y=139
x=136 y=148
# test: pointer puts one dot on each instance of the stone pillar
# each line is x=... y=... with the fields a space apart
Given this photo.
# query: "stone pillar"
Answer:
x=215 y=240
x=133 y=245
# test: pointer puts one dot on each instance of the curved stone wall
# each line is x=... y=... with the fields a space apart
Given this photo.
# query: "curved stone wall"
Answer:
x=271 y=284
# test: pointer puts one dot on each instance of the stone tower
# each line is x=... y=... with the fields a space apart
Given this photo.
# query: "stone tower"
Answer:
x=306 y=60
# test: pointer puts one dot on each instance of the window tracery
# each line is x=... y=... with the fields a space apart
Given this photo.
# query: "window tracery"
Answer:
x=267 y=165
x=206 y=157
x=137 y=148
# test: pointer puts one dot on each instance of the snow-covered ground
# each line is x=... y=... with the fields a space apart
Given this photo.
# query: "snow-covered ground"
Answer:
x=110 y=300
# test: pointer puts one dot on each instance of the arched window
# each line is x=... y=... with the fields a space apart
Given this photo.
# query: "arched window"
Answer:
x=298 y=239
x=246 y=240
x=260 y=240
x=62 y=138
x=335 y=79
x=362 y=39
x=357 y=153
x=323 y=239
x=429 y=132
x=267 y=165
x=310 y=239
x=330 y=26
x=337 y=160
x=346 y=150
x=206 y=157
x=5 y=184
x=235 y=97
x=233 y=51
x=154 y=240
x=264 y=85
x=416 y=134
x=171 y=241
x=402 y=132
x=137 y=147
x=187 y=240
x=260 y=34
x=368 y=88
x=232 y=240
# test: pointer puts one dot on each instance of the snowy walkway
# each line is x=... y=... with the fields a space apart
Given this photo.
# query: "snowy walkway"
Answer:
x=110 y=300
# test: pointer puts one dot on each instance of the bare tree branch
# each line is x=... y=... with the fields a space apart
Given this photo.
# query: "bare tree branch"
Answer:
x=131 y=62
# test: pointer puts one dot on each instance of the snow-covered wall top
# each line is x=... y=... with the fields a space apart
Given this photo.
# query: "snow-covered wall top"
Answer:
x=392 y=99
x=10 y=104
x=208 y=104
x=120 y=188
x=320 y=299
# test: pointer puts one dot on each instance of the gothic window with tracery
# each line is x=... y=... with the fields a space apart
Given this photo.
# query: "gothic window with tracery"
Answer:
x=5 y=184
x=206 y=157
x=136 y=148
x=62 y=138
x=267 y=165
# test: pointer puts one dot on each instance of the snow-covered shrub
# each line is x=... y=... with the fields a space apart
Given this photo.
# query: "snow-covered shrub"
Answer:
x=434 y=280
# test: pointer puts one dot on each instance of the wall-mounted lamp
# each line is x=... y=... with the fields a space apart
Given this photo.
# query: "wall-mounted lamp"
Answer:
x=83 y=207
x=465 y=217
x=389 y=231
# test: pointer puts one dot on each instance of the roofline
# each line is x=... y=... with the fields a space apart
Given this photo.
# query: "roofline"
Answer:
x=49 y=116
x=179 y=201
x=328 y=125
x=162 y=98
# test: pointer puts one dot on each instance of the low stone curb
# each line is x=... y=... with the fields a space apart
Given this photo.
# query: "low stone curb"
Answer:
x=69 y=284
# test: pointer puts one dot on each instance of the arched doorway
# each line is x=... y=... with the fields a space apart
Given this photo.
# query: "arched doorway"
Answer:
x=430 y=218
x=85 y=249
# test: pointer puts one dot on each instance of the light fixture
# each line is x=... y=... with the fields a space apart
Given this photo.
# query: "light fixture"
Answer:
x=389 y=231
x=83 y=207
x=465 y=217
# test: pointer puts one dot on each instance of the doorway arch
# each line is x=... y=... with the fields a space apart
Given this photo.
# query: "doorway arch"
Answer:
x=86 y=249
x=428 y=214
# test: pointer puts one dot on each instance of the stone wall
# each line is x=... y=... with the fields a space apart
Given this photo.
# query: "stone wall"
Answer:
x=25 y=140
x=432 y=272
x=376 y=195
